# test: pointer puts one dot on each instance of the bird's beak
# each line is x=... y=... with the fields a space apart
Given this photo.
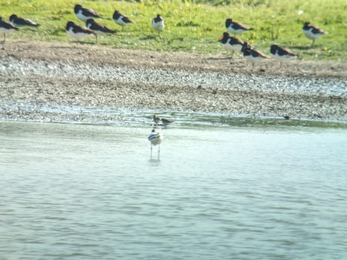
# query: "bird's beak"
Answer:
x=219 y=38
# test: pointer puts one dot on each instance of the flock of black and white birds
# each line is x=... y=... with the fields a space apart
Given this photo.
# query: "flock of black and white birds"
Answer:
x=250 y=53
x=232 y=43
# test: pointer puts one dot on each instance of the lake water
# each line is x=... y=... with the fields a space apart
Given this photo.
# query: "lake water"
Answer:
x=224 y=188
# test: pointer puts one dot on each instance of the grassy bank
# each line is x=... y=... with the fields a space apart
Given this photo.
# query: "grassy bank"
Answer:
x=195 y=25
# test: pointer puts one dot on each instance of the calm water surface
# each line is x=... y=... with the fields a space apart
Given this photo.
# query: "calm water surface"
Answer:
x=246 y=190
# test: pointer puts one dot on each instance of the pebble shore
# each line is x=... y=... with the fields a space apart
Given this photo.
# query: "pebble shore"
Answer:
x=27 y=81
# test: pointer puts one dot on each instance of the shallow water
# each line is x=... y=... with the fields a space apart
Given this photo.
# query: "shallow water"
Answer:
x=224 y=188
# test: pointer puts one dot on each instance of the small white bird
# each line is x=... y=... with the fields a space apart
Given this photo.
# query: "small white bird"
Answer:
x=155 y=139
x=158 y=23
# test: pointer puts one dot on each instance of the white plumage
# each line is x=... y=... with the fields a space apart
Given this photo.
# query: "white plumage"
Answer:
x=155 y=139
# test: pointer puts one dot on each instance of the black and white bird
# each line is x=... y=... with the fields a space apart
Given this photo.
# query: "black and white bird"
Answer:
x=155 y=139
x=6 y=27
x=252 y=55
x=158 y=23
x=77 y=32
x=312 y=32
x=156 y=119
x=121 y=19
x=281 y=54
x=236 y=28
x=84 y=14
x=98 y=28
x=166 y=122
x=231 y=43
x=19 y=21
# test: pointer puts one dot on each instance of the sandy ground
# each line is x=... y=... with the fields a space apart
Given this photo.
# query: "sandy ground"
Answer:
x=182 y=60
x=57 y=90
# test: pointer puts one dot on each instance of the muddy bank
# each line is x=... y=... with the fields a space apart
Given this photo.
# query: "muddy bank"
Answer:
x=56 y=74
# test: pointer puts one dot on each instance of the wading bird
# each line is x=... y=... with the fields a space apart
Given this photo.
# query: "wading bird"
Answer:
x=236 y=28
x=78 y=32
x=281 y=54
x=6 y=27
x=231 y=43
x=19 y=21
x=158 y=23
x=252 y=55
x=98 y=28
x=156 y=119
x=155 y=139
x=84 y=14
x=121 y=19
x=312 y=32
x=166 y=121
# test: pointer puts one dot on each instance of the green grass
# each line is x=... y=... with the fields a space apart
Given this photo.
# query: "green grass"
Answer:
x=195 y=25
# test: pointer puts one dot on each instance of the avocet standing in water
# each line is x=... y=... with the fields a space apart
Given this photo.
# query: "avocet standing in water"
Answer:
x=155 y=139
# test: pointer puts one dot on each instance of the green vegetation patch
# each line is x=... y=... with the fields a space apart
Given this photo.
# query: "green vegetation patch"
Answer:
x=195 y=25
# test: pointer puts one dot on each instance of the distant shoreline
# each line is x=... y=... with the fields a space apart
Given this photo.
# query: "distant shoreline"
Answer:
x=61 y=74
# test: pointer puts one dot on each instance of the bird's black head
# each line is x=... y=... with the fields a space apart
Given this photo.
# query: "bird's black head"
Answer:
x=90 y=20
x=13 y=16
x=244 y=46
x=77 y=8
x=228 y=22
x=69 y=24
x=307 y=24
x=116 y=14
x=273 y=49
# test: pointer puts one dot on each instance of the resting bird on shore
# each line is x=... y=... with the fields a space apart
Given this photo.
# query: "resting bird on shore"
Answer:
x=98 y=28
x=312 y=32
x=252 y=55
x=78 y=32
x=231 y=43
x=236 y=28
x=84 y=14
x=121 y=19
x=158 y=23
x=281 y=54
x=18 y=21
x=6 y=27
x=155 y=139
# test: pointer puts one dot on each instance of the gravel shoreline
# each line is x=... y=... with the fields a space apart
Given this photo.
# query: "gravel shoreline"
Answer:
x=54 y=74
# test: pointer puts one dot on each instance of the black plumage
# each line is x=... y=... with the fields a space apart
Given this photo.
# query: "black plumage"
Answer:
x=6 y=27
x=84 y=13
x=19 y=21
